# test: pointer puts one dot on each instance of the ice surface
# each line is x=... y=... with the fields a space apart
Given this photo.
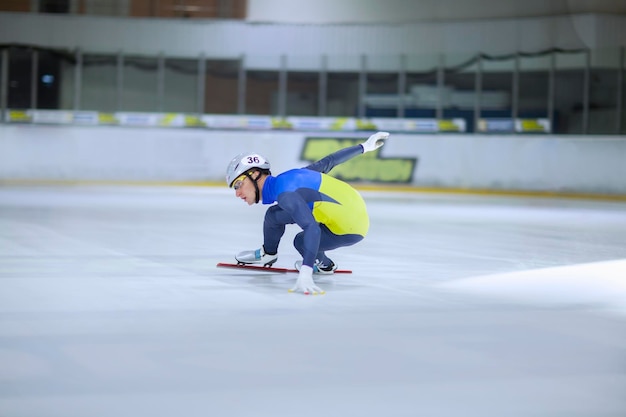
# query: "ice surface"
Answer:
x=111 y=305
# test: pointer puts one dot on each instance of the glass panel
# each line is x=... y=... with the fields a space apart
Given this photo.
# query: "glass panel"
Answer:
x=422 y=89
x=261 y=92
x=381 y=95
x=604 y=91
x=99 y=84
x=343 y=86
x=20 y=70
x=381 y=99
x=221 y=86
x=181 y=85
x=51 y=79
x=3 y=81
x=569 y=92
x=534 y=85
x=302 y=93
x=343 y=94
x=622 y=124
x=460 y=79
x=140 y=86
x=54 y=6
x=106 y=7
x=65 y=65
x=15 y=6
x=262 y=84
x=184 y=9
x=497 y=88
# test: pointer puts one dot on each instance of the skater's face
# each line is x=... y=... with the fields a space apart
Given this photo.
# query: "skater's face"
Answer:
x=244 y=189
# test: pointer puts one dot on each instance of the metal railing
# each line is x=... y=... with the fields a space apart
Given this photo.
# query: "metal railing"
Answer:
x=572 y=91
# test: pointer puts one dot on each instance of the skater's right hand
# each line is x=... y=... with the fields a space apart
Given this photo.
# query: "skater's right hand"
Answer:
x=305 y=282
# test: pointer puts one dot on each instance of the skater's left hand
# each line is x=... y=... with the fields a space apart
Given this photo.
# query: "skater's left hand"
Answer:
x=375 y=141
x=305 y=282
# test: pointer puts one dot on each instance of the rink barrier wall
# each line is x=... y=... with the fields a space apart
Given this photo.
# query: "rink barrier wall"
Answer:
x=591 y=166
x=259 y=122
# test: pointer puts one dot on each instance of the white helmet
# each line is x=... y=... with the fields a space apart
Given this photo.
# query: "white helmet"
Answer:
x=244 y=162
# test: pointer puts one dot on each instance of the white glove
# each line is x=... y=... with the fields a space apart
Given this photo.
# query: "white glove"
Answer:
x=375 y=141
x=305 y=282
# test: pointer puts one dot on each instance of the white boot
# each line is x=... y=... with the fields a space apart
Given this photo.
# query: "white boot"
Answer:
x=257 y=256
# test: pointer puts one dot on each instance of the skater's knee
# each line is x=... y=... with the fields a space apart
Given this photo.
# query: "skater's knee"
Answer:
x=298 y=242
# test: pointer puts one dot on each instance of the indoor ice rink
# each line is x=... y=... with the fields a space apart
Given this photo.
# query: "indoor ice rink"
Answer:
x=492 y=282
x=457 y=305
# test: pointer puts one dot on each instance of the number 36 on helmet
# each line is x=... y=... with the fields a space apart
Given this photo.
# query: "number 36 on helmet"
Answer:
x=243 y=163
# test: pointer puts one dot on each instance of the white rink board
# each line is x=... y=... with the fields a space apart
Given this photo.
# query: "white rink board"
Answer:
x=583 y=164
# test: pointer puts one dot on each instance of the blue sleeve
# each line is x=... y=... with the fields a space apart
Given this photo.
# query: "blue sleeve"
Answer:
x=327 y=163
x=296 y=205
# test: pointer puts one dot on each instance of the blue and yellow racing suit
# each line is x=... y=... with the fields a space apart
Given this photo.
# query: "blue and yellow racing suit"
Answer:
x=330 y=212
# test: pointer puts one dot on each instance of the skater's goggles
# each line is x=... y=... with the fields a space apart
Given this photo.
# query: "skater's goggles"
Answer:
x=239 y=181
